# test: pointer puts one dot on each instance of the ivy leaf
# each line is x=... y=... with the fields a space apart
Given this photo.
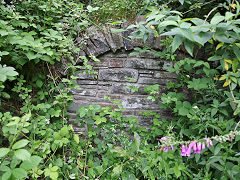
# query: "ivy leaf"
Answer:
x=22 y=154
x=20 y=144
x=4 y=151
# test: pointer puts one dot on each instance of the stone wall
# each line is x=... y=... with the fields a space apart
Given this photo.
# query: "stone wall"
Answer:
x=114 y=70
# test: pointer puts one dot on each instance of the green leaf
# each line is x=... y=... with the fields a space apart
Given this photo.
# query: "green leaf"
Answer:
x=168 y=23
x=183 y=111
x=236 y=51
x=202 y=37
x=181 y=1
x=189 y=47
x=22 y=154
x=228 y=15
x=54 y=175
x=137 y=140
x=6 y=175
x=4 y=152
x=39 y=83
x=20 y=144
x=117 y=170
x=177 y=41
x=177 y=172
x=32 y=163
x=76 y=138
x=19 y=173
x=235 y=65
x=187 y=33
x=3 y=77
x=64 y=131
x=213 y=112
x=216 y=19
x=222 y=38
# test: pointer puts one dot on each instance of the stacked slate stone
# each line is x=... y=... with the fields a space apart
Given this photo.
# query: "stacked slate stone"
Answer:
x=114 y=70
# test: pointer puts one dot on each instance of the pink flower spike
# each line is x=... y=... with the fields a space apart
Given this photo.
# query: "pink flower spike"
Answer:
x=199 y=147
x=203 y=146
x=171 y=148
x=183 y=150
x=195 y=148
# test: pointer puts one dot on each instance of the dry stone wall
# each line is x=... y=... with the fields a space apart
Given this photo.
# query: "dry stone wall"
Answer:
x=116 y=68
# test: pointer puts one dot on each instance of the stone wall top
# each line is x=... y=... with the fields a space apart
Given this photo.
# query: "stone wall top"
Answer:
x=100 y=41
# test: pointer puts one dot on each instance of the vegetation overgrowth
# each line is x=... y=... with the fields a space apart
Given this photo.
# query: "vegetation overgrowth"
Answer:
x=201 y=141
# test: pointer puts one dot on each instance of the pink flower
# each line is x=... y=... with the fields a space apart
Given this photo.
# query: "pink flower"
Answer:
x=209 y=142
x=184 y=150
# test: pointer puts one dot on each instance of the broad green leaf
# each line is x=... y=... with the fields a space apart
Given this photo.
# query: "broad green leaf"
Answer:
x=4 y=152
x=217 y=19
x=3 y=77
x=185 y=25
x=22 y=154
x=19 y=173
x=20 y=144
x=168 y=23
x=228 y=15
x=222 y=38
x=177 y=41
x=203 y=37
x=6 y=175
x=189 y=47
x=64 y=131
x=54 y=175
x=188 y=34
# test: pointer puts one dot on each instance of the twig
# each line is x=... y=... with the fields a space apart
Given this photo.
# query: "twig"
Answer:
x=210 y=13
x=53 y=78
x=233 y=133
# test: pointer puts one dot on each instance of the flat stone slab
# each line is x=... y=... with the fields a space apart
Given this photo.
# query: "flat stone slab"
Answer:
x=118 y=74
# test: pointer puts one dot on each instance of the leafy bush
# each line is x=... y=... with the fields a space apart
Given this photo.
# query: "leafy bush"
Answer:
x=37 y=140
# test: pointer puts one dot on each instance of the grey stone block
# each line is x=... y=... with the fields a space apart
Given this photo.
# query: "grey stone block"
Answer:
x=138 y=63
x=117 y=74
